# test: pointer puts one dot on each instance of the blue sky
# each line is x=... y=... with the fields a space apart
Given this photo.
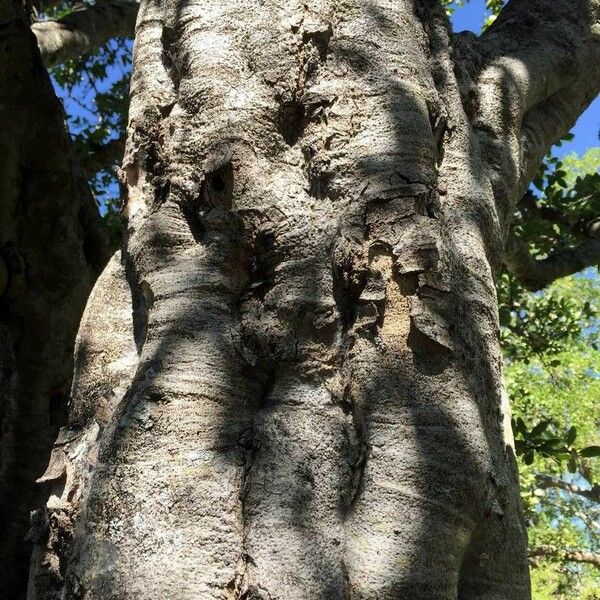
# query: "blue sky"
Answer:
x=471 y=17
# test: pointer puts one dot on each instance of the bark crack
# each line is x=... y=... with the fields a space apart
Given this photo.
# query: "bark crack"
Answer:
x=358 y=456
x=240 y=586
x=169 y=40
x=312 y=50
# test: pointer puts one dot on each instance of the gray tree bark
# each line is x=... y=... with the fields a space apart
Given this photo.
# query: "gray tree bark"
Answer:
x=51 y=250
x=289 y=386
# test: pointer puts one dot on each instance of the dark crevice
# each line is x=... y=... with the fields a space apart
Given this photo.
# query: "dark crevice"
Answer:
x=291 y=120
x=320 y=40
x=430 y=205
x=169 y=41
x=407 y=282
x=139 y=302
x=262 y=274
x=439 y=128
x=191 y=215
x=151 y=153
x=430 y=357
x=358 y=454
x=467 y=64
x=249 y=444
x=217 y=188
x=95 y=247
x=295 y=115
x=349 y=281
x=216 y=191
x=166 y=109
x=57 y=410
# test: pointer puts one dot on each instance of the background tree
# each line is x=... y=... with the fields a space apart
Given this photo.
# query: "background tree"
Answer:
x=553 y=235
x=51 y=250
x=550 y=342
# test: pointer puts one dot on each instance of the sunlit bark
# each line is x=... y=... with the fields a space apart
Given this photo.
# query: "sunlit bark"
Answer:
x=318 y=200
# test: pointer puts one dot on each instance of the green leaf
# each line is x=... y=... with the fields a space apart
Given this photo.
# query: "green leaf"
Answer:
x=504 y=314
x=572 y=465
x=563 y=456
x=571 y=436
x=539 y=428
x=590 y=451
x=520 y=447
x=552 y=445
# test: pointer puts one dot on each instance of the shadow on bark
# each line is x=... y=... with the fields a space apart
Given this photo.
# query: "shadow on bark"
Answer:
x=418 y=414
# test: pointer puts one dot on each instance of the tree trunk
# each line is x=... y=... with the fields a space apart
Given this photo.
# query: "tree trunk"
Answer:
x=51 y=250
x=315 y=219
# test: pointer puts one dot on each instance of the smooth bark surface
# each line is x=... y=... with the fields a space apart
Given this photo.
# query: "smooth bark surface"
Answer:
x=318 y=199
x=51 y=250
x=85 y=29
x=536 y=274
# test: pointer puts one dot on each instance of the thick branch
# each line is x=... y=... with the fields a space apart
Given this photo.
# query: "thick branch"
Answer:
x=104 y=156
x=84 y=29
x=546 y=213
x=545 y=482
x=579 y=556
x=536 y=274
x=541 y=68
x=549 y=54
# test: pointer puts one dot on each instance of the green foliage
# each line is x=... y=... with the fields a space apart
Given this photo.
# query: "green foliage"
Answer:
x=564 y=206
x=53 y=10
x=493 y=7
x=452 y=5
x=95 y=92
x=547 y=440
x=540 y=325
x=552 y=373
x=554 y=391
